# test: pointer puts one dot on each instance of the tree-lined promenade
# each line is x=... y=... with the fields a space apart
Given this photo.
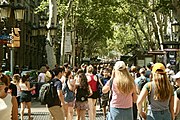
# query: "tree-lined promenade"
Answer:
x=120 y=25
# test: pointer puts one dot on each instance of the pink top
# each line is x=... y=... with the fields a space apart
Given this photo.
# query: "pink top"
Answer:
x=119 y=99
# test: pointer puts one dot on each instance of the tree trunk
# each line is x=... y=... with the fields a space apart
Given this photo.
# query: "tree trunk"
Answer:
x=51 y=58
x=70 y=5
x=159 y=26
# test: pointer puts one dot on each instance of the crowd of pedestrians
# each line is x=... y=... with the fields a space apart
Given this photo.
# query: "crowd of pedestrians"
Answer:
x=144 y=93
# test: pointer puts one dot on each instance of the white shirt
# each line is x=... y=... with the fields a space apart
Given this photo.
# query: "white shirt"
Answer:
x=42 y=77
x=23 y=87
x=6 y=108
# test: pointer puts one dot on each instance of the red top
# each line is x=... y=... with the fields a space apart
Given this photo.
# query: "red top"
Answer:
x=93 y=83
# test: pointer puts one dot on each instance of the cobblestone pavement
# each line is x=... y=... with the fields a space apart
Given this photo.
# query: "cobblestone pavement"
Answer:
x=40 y=112
x=45 y=116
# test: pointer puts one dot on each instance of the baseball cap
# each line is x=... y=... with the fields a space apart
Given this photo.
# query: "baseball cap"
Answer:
x=158 y=66
x=149 y=65
x=177 y=75
x=168 y=65
x=119 y=65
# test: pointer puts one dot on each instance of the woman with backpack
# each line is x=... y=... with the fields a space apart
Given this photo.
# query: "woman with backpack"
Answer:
x=69 y=95
x=123 y=93
x=83 y=91
x=160 y=96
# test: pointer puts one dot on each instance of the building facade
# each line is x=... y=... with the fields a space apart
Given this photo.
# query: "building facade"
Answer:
x=31 y=54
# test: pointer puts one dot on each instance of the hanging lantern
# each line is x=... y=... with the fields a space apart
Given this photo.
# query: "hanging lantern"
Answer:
x=5 y=10
x=19 y=12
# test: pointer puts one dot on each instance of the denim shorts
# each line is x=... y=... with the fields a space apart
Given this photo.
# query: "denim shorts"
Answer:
x=158 y=115
x=120 y=114
x=25 y=96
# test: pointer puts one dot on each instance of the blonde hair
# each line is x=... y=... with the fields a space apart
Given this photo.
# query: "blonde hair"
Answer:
x=43 y=69
x=89 y=69
x=163 y=87
x=124 y=81
x=16 y=78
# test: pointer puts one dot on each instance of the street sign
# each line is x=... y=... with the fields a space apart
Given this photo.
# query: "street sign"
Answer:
x=5 y=37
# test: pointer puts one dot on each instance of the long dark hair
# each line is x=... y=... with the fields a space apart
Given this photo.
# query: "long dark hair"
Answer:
x=83 y=81
x=25 y=78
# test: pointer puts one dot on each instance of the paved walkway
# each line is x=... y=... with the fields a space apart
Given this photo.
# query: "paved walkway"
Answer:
x=40 y=112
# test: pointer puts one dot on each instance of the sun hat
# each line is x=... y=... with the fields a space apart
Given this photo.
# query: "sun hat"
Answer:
x=119 y=65
x=158 y=66
x=177 y=75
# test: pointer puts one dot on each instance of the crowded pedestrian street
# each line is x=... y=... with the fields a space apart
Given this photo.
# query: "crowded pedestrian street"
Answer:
x=89 y=59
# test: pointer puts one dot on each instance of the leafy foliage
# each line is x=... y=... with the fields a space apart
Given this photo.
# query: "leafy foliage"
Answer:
x=112 y=25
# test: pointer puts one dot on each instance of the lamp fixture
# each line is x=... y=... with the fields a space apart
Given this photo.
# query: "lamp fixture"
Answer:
x=175 y=27
x=19 y=11
x=5 y=9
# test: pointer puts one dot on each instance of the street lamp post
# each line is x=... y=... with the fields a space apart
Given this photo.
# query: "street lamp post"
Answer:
x=172 y=47
x=5 y=13
x=19 y=15
x=43 y=34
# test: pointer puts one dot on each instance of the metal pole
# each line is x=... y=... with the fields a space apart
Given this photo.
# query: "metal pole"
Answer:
x=12 y=60
x=4 y=58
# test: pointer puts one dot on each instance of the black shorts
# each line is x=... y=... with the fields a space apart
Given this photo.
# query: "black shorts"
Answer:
x=104 y=103
x=25 y=96
x=94 y=95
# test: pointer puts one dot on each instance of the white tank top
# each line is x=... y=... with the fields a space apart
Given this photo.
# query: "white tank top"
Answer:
x=5 y=113
x=23 y=86
x=18 y=90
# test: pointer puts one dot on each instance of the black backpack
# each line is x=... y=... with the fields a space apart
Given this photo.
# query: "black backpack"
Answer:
x=47 y=93
x=142 y=82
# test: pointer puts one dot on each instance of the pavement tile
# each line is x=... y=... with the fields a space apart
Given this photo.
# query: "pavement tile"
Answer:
x=40 y=112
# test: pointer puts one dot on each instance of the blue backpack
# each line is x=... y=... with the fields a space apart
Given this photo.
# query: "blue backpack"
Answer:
x=69 y=95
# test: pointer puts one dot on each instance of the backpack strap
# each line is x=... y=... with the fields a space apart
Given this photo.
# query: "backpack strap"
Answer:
x=111 y=83
x=149 y=87
x=149 y=91
x=110 y=93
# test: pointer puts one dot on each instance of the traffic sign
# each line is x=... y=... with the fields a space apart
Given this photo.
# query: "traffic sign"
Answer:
x=5 y=37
